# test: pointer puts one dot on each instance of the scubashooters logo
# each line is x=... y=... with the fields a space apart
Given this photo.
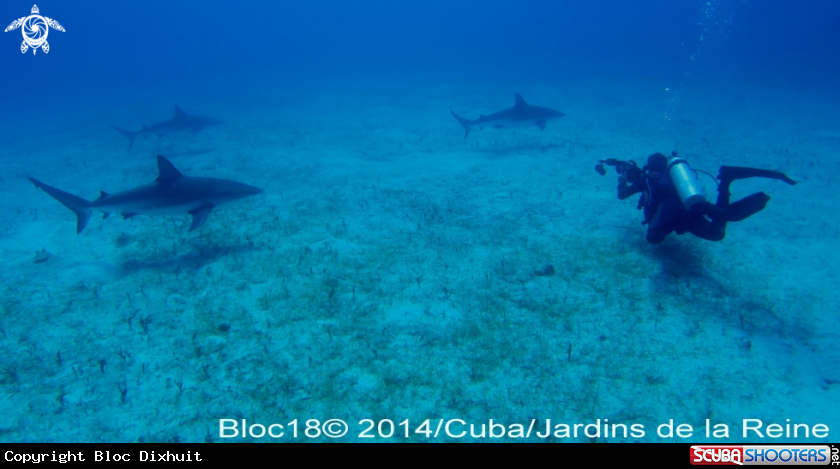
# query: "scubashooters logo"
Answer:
x=746 y=455
x=35 y=29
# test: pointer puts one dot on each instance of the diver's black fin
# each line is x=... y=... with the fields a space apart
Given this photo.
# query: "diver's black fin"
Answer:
x=731 y=173
x=747 y=207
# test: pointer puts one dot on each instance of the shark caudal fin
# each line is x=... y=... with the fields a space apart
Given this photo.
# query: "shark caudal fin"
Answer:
x=127 y=134
x=465 y=122
x=78 y=205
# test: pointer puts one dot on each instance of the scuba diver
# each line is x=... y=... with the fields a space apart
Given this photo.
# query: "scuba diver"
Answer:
x=673 y=199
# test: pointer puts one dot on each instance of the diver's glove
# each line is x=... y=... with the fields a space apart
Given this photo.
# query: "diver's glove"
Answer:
x=628 y=170
x=632 y=173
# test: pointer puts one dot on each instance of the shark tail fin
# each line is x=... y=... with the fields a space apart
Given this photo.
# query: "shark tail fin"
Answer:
x=127 y=134
x=78 y=205
x=465 y=122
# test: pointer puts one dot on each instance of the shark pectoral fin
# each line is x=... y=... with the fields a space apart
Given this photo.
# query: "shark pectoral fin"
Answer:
x=127 y=215
x=199 y=215
x=540 y=124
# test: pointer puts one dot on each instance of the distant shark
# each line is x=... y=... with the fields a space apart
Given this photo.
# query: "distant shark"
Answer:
x=181 y=121
x=172 y=193
x=521 y=114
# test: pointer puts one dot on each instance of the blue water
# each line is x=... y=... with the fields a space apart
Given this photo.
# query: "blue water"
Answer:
x=392 y=269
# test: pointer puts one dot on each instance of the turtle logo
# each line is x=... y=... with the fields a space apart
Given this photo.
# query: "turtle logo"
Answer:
x=35 y=30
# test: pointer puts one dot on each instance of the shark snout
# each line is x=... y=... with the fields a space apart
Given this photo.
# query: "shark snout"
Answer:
x=245 y=190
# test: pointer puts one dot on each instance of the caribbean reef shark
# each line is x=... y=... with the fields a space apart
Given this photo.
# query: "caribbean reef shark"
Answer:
x=181 y=121
x=521 y=114
x=172 y=193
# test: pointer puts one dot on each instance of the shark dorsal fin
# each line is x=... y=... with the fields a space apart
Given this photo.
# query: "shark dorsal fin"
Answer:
x=102 y=195
x=519 y=101
x=167 y=172
x=179 y=113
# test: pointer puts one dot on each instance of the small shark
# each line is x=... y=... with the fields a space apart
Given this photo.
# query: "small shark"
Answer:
x=521 y=114
x=172 y=193
x=181 y=121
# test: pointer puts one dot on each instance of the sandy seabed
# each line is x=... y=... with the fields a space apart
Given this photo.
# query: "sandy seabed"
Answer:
x=389 y=270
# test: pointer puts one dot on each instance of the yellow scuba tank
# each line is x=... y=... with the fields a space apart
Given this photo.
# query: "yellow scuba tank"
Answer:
x=685 y=180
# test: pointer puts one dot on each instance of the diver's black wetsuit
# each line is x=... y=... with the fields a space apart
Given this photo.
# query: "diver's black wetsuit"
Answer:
x=664 y=211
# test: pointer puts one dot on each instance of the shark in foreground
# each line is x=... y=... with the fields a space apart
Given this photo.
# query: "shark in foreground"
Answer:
x=172 y=193
x=521 y=114
x=181 y=121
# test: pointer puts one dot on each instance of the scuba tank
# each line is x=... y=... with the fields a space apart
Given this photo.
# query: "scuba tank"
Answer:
x=685 y=180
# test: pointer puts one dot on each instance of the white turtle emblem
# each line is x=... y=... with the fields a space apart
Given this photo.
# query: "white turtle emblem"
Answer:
x=35 y=30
